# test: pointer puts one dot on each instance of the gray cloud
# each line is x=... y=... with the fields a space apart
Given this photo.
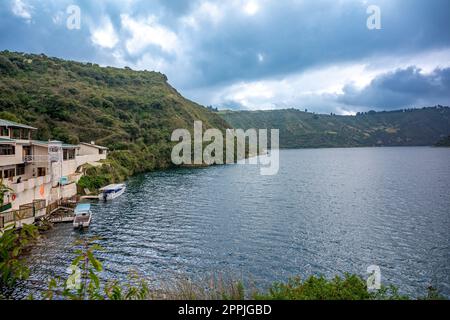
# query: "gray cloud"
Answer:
x=220 y=44
x=295 y=36
x=401 y=88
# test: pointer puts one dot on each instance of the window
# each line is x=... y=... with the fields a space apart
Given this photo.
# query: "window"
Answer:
x=16 y=133
x=7 y=150
x=69 y=154
x=9 y=173
x=27 y=151
x=4 y=132
x=41 y=172
x=20 y=169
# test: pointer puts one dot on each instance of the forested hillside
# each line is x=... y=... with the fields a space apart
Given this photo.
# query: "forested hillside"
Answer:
x=134 y=113
x=131 y=112
x=413 y=127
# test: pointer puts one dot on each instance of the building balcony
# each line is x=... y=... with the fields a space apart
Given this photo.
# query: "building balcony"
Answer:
x=28 y=159
x=18 y=187
x=30 y=183
x=39 y=181
x=35 y=158
x=47 y=179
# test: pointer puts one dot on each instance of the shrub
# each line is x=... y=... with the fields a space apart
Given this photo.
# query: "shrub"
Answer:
x=12 y=245
x=351 y=287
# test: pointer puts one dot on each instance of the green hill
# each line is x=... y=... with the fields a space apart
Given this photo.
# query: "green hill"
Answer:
x=134 y=113
x=414 y=127
x=131 y=112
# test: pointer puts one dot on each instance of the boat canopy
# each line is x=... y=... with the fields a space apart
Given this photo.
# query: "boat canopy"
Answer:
x=113 y=187
x=82 y=208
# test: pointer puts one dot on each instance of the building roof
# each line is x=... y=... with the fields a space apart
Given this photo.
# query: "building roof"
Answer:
x=12 y=124
x=16 y=141
x=94 y=146
x=63 y=145
x=7 y=140
x=70 y=146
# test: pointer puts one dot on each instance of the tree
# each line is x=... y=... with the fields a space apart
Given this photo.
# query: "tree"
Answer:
x=3 y=190
x=84 y=282
x=12 y=244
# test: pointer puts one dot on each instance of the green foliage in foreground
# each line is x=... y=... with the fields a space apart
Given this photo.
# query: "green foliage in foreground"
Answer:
x=3 y=189
x=85 y=282
x=351 y=287
x=13 y=243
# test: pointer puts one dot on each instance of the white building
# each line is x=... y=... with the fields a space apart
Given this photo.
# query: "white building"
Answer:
x=40 y=171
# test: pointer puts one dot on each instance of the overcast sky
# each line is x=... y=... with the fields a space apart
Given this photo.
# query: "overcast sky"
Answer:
x=255 y=54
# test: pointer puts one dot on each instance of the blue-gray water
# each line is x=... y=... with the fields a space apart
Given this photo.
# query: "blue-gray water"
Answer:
x=328 y=211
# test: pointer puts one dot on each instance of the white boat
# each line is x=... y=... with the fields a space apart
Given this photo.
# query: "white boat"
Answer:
x=83 y=216
x=111 y=192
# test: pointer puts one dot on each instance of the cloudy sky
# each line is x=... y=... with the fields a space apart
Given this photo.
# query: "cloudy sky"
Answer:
x=255 y=54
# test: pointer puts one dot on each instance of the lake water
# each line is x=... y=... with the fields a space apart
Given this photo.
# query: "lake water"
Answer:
x=328 y=211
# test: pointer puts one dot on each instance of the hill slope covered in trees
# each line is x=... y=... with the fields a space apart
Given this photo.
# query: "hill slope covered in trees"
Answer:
x=134 y=113
x=131 y=112
x=415 y=127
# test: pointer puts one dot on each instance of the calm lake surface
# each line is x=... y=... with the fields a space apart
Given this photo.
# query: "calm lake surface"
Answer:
x=328 y=211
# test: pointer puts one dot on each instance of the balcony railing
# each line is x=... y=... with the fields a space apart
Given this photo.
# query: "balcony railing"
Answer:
x=35 y=158
x=30 y=183
x=18 y=187
x=26 y=211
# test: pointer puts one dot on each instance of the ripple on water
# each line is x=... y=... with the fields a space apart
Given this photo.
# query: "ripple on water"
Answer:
x=327 y=212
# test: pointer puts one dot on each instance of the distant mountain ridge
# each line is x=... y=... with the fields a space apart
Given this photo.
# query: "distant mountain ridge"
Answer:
x=298 y=129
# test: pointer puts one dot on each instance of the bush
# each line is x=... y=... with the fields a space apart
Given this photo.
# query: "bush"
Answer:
x=9 y=116
x=7 y=67
x=351 y=287
x=12 y=245
x=93 y=182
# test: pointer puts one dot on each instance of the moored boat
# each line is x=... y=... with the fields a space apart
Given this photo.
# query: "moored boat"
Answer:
x=83 y=216
x=111 y=192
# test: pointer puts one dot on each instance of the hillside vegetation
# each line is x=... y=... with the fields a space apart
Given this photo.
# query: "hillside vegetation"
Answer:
x=413 y=127
x=134 y=113
x=131 y=112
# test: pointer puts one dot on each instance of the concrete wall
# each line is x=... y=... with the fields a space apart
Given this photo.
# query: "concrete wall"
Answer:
x=41 y=190
x=69 y=167
x=46 y=188
x=13 y=159
x=68 y=191
x=90 y=158
x=86 y=150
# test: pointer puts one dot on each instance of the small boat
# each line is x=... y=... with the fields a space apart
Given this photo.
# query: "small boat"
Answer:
x=83 y=216
x=111 y=192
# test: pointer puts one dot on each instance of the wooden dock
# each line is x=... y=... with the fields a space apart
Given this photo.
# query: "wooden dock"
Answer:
x=57 y=212
x=62 y=214
x=89 y=198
